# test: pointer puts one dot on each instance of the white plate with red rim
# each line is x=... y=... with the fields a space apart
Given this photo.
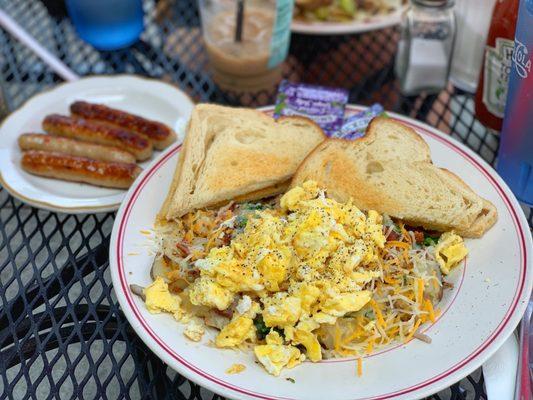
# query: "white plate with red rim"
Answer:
x=146 y=97
x=490 y=293
x=372 y=23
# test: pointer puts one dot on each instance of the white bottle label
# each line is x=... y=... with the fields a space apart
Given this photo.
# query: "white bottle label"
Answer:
x=496 y=75
x=522 y=59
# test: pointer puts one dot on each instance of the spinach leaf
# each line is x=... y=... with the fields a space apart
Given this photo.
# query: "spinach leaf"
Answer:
x=430 y=240
x=253 y=207
x=240 y=222
x=260 y=327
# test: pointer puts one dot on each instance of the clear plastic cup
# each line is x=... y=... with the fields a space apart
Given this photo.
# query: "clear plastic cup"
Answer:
x=253 y=62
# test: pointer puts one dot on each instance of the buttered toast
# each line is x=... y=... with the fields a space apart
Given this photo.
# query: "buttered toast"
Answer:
x=237 y=154
x=390 y=170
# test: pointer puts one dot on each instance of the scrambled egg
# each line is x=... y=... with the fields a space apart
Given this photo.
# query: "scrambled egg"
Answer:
x=289 y=277
x=298 y=266
x=159 y=299
x=291 y=273
x=450 y=250
x=236 y=332
x=274 y=355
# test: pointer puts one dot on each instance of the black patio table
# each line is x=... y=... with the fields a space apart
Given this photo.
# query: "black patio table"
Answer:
x=62 y=333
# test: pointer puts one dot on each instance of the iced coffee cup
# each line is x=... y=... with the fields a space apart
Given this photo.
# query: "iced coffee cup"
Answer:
x=246 y=41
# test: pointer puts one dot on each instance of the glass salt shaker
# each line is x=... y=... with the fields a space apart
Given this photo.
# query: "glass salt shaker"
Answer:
x=425 y=48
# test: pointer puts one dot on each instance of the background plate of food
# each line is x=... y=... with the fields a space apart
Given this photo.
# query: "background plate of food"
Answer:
x=330 y=17
x=285 y=265
x=77 y=147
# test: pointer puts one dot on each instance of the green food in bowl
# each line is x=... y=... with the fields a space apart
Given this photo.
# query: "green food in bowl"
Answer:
x=348 y=6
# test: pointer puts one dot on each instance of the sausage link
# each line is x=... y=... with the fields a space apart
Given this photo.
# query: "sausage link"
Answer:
x=79 y=169
x=72 y=147
x=94 y=132
x=158 y=133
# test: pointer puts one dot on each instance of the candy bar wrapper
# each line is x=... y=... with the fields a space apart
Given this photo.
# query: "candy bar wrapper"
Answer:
x=355 y=125
x=323 y=105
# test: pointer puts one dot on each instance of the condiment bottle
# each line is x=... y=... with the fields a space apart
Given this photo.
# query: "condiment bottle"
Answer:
x=494 y=78
x=425 y=47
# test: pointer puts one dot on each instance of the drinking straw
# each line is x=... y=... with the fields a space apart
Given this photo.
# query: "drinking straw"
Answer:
x=239 y=20
x=25 y=38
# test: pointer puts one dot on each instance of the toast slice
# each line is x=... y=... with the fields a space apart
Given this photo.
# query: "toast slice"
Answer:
x=236 y=153
x=484 y=220
x=390 y=170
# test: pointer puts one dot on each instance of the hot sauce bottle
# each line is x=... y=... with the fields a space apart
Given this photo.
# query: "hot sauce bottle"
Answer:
x=494 y=78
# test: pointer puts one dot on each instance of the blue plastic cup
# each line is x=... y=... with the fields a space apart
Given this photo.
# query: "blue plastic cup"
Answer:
x=107 y=24
x=515 y=163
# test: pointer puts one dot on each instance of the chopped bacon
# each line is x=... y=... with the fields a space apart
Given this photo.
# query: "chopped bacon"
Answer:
x=419 y=236
x=392 y=236
x=228 y=313
x=226 y=238
x=183 y=248
x=193 y=274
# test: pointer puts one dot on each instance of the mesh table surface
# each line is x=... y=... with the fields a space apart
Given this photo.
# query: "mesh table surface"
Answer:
x=62 y=334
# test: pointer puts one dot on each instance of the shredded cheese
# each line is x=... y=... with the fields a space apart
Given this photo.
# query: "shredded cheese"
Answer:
x=420 y=290
x=394 y=243
x=377 y=311
x=429 y=308
x=370 y=346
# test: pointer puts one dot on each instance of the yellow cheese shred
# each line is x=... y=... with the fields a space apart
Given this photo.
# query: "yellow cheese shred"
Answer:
x=394 y=243
x=377 y=311
x=429 y=308
x=370 y=346
x=420 y=290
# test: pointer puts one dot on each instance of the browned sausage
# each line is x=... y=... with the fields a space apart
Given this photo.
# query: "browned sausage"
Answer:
x=94 y=132
x=72 y=147
x=79 y=169
x=159 y=134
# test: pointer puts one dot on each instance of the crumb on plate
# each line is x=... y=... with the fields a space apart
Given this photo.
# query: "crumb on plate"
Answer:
x=235 y=369
x=194 y=331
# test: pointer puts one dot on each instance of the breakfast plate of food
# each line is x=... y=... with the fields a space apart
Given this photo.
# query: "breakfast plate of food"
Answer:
x=77 y=147
x=330 y=17
x=277 y=263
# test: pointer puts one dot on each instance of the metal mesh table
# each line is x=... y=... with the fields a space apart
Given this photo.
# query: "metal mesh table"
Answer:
x=62 y=334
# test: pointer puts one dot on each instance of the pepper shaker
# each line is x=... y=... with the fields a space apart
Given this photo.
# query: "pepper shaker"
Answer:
x=425 y=48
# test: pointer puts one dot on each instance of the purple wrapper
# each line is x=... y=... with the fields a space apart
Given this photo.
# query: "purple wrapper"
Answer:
x=323 y=105
x=355 y=125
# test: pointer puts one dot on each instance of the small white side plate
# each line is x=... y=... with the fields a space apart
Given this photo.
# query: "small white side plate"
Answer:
x=342 y=28
x=148 y=98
